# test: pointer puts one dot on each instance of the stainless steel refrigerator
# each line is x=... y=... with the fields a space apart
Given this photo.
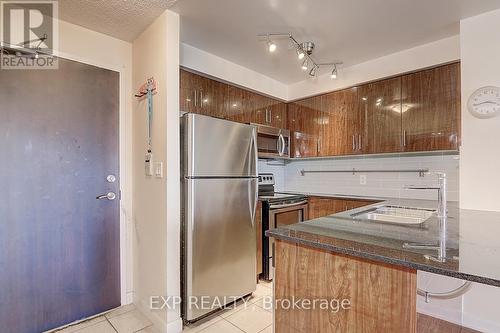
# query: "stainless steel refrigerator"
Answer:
x=219 y=188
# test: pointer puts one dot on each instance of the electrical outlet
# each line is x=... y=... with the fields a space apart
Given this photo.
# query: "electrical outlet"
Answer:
x=362 y=180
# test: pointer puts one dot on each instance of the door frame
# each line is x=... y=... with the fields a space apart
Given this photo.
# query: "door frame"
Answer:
x=125 y=165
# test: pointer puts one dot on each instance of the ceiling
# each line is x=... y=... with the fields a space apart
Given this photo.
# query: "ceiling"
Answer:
x=123 y=19
x=352 y=31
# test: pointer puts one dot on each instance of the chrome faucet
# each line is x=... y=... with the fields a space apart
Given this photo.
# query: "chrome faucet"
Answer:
x=442 y=210
x=442 y=214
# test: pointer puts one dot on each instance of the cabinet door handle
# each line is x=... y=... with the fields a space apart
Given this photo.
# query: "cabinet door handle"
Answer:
x=359 y=142
x=195 y=98
x=353 y=142
x=201 y=99
x=404 y=138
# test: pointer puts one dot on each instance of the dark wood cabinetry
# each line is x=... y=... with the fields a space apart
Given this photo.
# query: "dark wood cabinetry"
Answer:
x=410 y=113
x=202 y=95
x=380 y=117
x=305 y=122
x=341 y=123
x=431 y=109
x=324 y=206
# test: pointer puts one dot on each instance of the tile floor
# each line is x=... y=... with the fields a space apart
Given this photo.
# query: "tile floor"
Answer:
x=250 y=316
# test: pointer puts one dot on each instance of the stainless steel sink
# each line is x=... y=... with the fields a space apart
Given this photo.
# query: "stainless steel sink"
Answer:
x=395 y=215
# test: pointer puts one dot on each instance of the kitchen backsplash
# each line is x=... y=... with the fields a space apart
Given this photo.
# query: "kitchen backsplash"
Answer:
x=289 y=178
x=277 y=168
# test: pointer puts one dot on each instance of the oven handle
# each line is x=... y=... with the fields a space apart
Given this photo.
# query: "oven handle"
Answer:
x=288 y=205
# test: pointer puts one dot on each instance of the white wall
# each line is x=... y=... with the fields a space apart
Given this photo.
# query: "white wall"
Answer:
x=377 y=184
x=156 y=200
x=438 y=52
x=93 y=48
x=212 y=65
x=479 y=165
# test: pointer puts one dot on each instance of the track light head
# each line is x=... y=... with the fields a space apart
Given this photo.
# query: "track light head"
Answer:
x=271 y=45
x=300 y=53
x=333 y=75
x=305 y=65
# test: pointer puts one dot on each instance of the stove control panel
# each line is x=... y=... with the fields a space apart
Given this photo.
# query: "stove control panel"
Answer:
x=266 y=179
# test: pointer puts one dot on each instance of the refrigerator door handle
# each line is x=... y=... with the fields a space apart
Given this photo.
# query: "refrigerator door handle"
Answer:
x=255 y=152
x=252 y=199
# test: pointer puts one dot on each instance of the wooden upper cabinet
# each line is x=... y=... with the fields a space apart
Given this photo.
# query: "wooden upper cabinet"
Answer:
x=187 y=91
x=431 y=109
x=341 y=121
x=380 y=117
x=303 y=118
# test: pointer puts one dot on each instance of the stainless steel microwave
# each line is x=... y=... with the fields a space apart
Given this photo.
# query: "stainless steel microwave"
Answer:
x=272 y=142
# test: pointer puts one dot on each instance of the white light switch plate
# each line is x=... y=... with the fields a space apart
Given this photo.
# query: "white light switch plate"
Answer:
x=159 y=169
x=362 y=180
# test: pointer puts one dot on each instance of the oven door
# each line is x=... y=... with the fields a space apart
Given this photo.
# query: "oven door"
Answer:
x=281 y=215
x=273 y=142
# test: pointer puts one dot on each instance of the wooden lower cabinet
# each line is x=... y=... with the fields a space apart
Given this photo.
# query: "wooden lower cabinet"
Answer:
x=258 y=226
x=382 y=297
x=324 y=206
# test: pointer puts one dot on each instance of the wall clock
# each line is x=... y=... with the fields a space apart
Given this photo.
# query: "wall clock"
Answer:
x=485 y=102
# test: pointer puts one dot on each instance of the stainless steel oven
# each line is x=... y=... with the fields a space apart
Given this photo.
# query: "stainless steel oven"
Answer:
x=272 y=142
x=278 y=209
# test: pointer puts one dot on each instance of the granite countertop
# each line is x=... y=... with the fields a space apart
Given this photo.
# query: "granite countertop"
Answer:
x=473 y=241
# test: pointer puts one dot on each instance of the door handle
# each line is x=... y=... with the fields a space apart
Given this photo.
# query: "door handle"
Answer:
x=108 y=196
x=359 y=142
x=353 y=142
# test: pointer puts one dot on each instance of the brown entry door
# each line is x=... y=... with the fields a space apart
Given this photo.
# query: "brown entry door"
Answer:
x=59 y=245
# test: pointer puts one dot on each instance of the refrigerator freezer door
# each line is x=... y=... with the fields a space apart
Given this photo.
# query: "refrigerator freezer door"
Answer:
x=218 y=148
x=220 y=243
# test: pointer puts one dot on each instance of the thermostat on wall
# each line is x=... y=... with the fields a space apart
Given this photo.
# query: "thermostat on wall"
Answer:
x=485 y=102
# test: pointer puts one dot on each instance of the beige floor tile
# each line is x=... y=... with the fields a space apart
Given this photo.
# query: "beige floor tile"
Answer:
x=149 y=329
x=268 y=284
x=240 y=305
x=262 y=291
x=268 y=329
x=129 y=322
x=102 y=327
x=265 y=302
x=221 y=326
x=252 y=319
x=79 y=326
x=202 y=324
x=121 y=310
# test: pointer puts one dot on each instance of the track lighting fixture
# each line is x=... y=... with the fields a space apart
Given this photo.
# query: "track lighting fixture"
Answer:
x=305 y=65
x=304 y=52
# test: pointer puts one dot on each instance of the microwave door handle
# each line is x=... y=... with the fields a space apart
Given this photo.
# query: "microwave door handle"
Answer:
x=278 y=145
x=283 y=144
